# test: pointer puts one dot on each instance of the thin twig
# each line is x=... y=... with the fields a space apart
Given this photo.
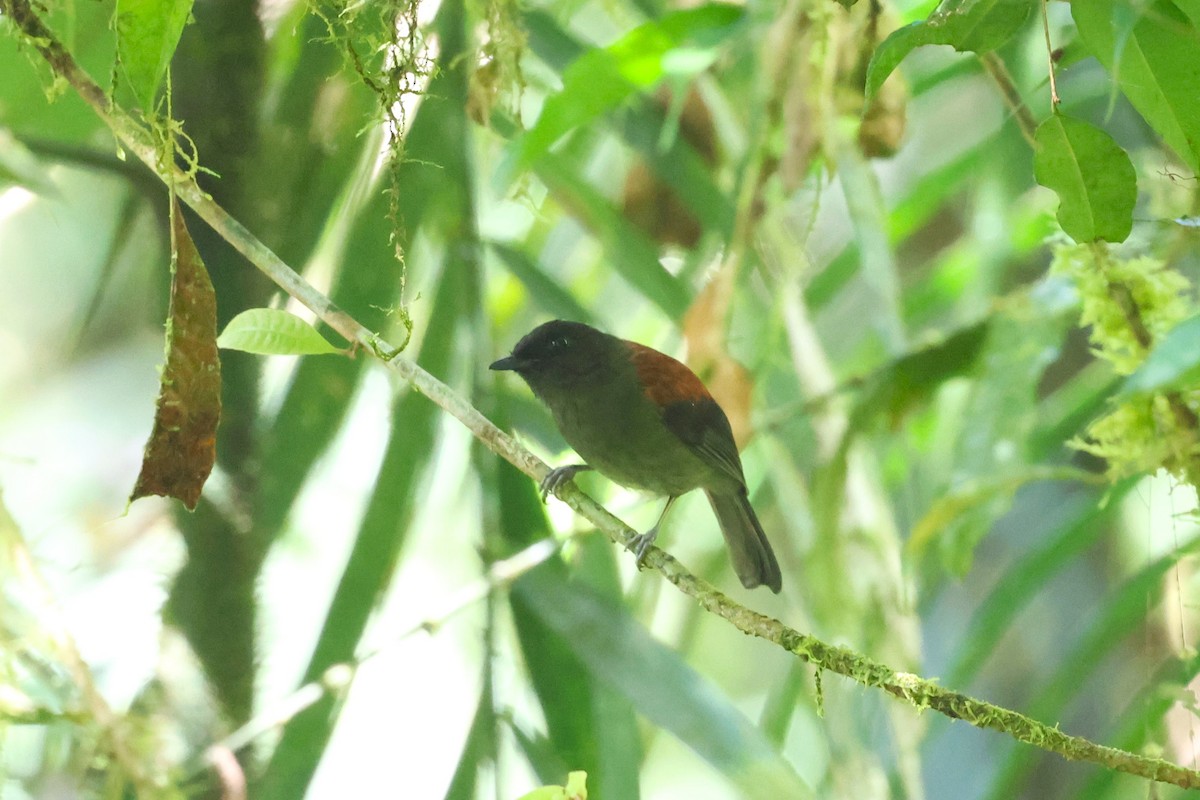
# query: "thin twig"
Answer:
x=906 y=686
x=1054 y=99
x=1000 y=75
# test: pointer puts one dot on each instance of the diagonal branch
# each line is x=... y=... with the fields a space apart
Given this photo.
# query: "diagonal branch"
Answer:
x=910 y=688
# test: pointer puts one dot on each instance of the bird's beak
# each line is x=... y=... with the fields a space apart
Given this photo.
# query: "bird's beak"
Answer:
x=506 y=363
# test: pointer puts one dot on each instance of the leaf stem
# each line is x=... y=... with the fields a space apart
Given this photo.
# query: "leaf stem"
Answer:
x=1054 y=98
x=1000 y=75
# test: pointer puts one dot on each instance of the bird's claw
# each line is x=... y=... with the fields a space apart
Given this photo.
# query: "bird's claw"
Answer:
x=558 y=476
x=639 y=544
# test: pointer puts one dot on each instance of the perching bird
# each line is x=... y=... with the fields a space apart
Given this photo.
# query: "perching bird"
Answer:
x=645 y=421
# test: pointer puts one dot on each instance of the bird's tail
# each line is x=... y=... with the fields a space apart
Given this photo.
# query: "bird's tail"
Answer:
x=753 y=559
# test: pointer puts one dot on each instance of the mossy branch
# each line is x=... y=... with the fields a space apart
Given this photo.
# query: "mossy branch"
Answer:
x=916 y=691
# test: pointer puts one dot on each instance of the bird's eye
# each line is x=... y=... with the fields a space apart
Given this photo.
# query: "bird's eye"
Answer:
x=559 y=343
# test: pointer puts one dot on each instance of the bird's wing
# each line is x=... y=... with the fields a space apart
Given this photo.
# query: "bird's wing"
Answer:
x=704 y=428
x=688 y=410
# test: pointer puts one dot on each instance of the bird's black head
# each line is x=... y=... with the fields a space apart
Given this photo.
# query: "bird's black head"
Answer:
x=558 y=352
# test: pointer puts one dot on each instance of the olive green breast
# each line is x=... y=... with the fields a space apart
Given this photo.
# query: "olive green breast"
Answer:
x=617 y=430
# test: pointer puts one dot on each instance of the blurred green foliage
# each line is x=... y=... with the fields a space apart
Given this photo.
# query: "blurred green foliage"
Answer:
x=836 y=223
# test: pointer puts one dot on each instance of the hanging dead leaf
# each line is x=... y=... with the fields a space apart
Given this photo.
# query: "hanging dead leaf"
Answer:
x=183 y=446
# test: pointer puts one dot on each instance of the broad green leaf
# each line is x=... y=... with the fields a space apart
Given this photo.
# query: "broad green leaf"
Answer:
x=273 y=332
x=576 y=789
x=588 y=725
x=376 y=547
x=618 y=651
x=19 y=165
x=1154 y=61
x=1138 y=725
x=911 y=379
x=437 y=153
x=641 y=125
x=631 y=253
x=1092 y=176
x=966 y=25
x=182 y=447
x=148 y=32
x=550 y=296
x=1123 y=611
x=990 y=432
x=679 y=45
x=1174 y=363
x=317 y=399
x=480 y=743
x=948 y=509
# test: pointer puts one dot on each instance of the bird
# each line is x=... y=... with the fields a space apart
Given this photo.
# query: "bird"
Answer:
x=645 y=421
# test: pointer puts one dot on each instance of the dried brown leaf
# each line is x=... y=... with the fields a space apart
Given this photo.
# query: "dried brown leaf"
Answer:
x=182 y=447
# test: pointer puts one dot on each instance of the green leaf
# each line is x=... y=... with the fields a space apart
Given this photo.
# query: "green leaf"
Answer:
x=630 y=251
x=382 y=532
x=902 y=384
x=966 y=25
x=1136 y=726
x=549 y=295
x=1123 y=610
x=480 y=743
x=1174 y=363
x=272 y=332
x=576 y=789
x=619 y=652
x=679 y=45
x=588 y=725
x=1092 y=176
x=1154 y=61
x=641 y=125
x=436 y=138
x=19 y=165
x=990 y=432
x=147 y=33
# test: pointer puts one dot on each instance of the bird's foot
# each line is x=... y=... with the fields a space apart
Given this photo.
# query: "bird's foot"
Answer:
x=639 y=544
x=558 y=476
